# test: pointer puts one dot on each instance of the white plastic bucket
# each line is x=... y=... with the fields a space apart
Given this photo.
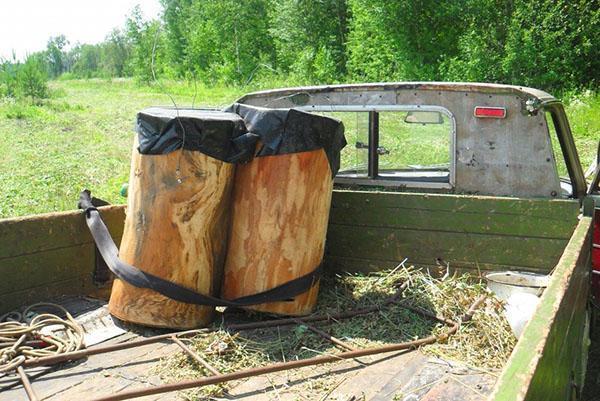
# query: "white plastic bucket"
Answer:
x=520 y=292
x=505 y=284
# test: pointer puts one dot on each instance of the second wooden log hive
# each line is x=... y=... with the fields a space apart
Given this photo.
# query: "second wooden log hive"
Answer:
x=279 y=221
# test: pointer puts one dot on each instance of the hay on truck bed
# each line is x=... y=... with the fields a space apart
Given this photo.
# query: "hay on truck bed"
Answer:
x=483 y=343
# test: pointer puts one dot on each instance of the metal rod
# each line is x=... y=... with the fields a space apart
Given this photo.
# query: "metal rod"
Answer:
x=320 y=318
x=326 y=335
x=195 y=356
x=27 y=384
x=276 y=367
x=70 y=356
x=281 y=366
x=317 y=318
x=373 y=167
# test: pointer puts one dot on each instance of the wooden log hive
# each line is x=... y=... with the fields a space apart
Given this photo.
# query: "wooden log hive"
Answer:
x=176 y=228
x=279 y=221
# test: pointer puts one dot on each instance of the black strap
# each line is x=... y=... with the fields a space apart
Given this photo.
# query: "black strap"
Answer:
x=138 y=278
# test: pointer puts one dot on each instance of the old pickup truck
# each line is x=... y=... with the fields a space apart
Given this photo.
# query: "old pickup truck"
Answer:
x=477 y=177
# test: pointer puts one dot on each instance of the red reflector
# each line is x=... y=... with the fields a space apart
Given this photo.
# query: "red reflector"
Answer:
x=490 y=112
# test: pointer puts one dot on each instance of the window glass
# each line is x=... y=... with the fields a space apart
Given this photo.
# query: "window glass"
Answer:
x=414 y=141
x=413 y=146
x=354 y=157
x=558 y=156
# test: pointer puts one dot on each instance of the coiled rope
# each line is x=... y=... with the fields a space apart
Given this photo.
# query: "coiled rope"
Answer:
x=22 y=335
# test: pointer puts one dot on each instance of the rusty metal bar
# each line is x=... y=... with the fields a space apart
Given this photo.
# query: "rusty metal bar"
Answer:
x=70 y=356
x=27 y=384
x=281 y=366
x=320 y=318
x=195 y=356
x=276 y=367
x=317 y=318
x=326 y=335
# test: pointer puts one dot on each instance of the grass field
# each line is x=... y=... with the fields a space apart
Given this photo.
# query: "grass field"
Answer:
x=82 y=138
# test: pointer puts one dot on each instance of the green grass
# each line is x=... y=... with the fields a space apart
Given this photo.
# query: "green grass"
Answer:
x=82 y=138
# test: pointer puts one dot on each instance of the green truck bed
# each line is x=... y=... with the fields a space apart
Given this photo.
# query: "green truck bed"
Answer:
x=46 y=256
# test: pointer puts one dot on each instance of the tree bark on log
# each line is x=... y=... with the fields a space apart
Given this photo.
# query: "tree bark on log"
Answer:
x=175 y=228
x=279 y=222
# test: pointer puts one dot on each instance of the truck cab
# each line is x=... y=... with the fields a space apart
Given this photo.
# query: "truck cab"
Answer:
x=480 y=139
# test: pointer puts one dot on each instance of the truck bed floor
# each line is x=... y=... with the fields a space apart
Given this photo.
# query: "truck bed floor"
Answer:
x=407 y=375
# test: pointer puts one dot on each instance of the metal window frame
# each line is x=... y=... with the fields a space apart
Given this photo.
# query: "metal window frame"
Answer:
x=567 y=146
x=373 y=177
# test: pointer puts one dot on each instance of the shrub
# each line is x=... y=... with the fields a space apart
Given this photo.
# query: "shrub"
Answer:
x=32 y=79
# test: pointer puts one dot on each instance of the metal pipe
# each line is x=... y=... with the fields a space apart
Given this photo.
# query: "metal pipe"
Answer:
x=27 y=384
x=317 y=318
x=195 y=356
x=70 y=356
x=281 y=366
x=276 y=367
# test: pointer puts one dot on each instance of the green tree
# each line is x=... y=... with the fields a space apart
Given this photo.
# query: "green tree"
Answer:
x=87 y=60
x=482 y=44
x=8 y=76
x=310 y=37
x=32 y=78
x=146 y=59
x=403 y=39
x=218 y=40
x=115 y=53
x=553 y=44
x=56 y=56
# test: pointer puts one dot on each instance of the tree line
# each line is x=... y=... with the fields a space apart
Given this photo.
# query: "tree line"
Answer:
x=549 y=44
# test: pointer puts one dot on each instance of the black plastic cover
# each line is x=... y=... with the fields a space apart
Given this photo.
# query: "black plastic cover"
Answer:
x=215 y=133
x=283 y=131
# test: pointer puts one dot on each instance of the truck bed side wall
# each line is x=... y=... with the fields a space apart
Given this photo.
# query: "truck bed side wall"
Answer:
x=49 y=255
x=548 y=360
x=373 y=230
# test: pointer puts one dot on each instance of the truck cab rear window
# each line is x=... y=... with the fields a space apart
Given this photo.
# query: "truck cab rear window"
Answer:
x=408 y=147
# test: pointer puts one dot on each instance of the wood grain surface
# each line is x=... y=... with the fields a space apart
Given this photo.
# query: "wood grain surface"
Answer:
x=176 y=230
x=280 y=212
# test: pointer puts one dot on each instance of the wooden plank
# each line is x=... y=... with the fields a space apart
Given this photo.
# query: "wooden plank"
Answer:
x=559 y=209
x=77 y=285
x=31 y=234
x=341 y=264
x=461 y=221
x=43 y=268
x=64 y=382
x=455 y=248
x=547 y=357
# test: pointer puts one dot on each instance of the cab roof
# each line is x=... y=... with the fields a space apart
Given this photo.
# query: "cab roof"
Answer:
x=521 y=91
